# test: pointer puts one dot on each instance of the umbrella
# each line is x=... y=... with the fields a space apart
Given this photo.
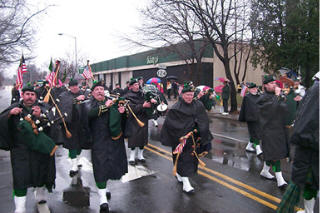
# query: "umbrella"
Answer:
x=172 y=77
x=221 y=79
x=153 y=80
x=203 y=87
x=218 y=88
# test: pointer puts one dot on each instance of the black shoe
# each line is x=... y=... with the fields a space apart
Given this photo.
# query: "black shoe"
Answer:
x=104 y=208
x=42 y=202
x=141 y=160
x=73 y=173
x=132 y=163
x=108 y=194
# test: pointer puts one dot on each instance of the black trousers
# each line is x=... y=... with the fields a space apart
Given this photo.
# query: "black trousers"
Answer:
x=225 y=105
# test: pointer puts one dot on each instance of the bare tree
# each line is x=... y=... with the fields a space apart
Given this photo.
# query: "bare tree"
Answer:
x=16 y=32
x=177 y=30
x=222 y=21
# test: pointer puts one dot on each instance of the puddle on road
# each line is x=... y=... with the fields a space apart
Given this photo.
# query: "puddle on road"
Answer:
x=136 y=172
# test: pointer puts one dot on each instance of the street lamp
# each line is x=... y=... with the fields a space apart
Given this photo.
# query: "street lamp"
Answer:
x=75 y=46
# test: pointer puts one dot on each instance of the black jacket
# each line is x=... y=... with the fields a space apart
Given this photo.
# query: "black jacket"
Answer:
x=272 y=112
x=306 y=138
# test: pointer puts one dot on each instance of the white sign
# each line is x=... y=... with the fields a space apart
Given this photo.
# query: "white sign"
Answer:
x=161 y=73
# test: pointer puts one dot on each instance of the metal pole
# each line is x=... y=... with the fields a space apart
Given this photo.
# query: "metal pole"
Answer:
x=75 y=46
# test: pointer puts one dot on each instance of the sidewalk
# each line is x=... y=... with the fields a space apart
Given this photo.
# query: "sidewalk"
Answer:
x=214 y=112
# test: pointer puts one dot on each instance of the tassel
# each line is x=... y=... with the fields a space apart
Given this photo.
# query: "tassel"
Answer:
x=174 y=170
x=53 y=150
x=68 y=134
x=46 y=98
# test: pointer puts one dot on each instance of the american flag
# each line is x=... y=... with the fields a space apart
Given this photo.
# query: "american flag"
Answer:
x=21 y=69
x=87 y=73
x=243 y=90
x=52 y=76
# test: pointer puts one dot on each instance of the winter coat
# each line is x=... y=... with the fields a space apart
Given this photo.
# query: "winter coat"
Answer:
x=249 y=114
x=272 y=113
x=109 y=158
x=180 y=120
x=73 y=119
x=29 y=168
x=226 y=92
x=137 y=136
x=306 y=138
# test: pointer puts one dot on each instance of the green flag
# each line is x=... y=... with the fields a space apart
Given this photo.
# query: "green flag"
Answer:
x=51 y=65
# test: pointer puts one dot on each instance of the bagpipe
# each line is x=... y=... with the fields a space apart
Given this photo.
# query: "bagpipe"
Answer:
x=151 y=92
x=120 y=101
x=198 y=151
x=32 y=128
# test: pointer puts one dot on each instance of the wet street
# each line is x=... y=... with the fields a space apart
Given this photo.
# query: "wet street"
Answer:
x=229 y=183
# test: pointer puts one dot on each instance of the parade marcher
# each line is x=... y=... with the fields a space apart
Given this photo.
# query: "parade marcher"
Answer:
x=117 y=90
x=185 y=122
x=137 y=135
x=30 y=166
x=305 y=167
x=69 y=103
x=206 y=95
x=126 y=89
x=85 y=89
x=249 y=114
x=141 y=82
x=169 y=88
x=15 y=94
x=109 y=160
x=151 y=91
x=42 y=90
x=175 y=89
x=225 y=97
x=272 y=113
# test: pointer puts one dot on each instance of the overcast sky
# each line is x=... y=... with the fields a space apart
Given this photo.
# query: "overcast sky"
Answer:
x=96 y=24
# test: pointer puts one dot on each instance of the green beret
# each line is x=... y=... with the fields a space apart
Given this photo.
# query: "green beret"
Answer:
x=96 y=84
x=251 y=85
x=188 y=87
x=73 y=82
x=133 y=81
x=28 y=87
x=268 y=79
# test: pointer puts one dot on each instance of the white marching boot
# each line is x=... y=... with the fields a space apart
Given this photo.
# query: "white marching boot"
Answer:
x=20 y=203
x=258 y=150
x=249 y=147
x=74 y=164
x=179 y=178
x=41 y=198
x=186 y=185
x=280 y=181
x=155 y=122
x=132 y=160
x=140 y=155
x=104 y=206
x=308 y=206
x=41 y=194
x=74 y=167
x=265 y=172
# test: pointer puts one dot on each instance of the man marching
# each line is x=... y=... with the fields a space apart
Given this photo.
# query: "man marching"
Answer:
x=185 y=122
x=30 y=166
x=69 y=103
x=249 y=113
x=272 y=114
x=109 y=160
x=137 y=132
